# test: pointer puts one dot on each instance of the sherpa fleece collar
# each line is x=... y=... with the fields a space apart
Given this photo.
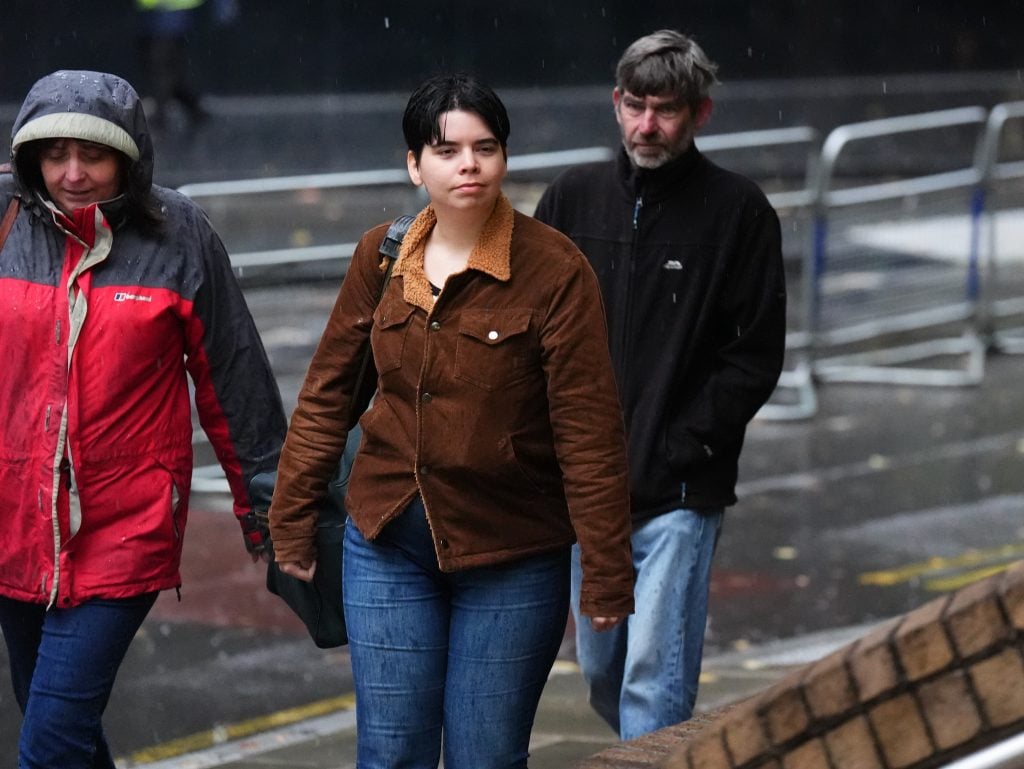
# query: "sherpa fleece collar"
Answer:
x=491 y=254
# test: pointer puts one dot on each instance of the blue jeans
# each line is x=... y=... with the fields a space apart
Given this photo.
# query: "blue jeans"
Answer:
x=63 y=665
x=463 y=654
x=643 y=674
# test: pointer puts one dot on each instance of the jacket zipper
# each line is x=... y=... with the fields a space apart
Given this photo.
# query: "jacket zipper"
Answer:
x=627 y=304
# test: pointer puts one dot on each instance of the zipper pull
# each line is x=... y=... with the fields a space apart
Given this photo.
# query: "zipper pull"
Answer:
x=636 y=210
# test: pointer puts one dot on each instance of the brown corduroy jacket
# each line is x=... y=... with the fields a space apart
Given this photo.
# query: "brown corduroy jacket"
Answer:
x=496 y=403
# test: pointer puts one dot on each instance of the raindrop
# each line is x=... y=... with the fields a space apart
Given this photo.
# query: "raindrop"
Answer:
x=885 y=87
x=387 y=23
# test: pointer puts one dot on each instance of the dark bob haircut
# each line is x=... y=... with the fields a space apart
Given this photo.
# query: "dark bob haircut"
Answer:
x=421 y=122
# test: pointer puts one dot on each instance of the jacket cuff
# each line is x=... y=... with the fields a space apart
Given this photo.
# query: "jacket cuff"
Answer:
x=302 y=550
x=606 y=604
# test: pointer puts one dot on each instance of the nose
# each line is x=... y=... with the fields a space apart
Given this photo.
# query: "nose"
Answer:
x=468 y=160
x=75 y=169
x=648 y=122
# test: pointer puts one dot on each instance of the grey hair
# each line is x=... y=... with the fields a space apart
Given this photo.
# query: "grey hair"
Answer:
x=666 y=61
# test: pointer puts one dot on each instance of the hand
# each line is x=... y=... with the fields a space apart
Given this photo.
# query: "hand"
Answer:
x=256 y=536
x=601 y=624
x=297 y=570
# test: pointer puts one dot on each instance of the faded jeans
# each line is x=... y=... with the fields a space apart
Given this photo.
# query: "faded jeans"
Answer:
x=643 y=674
x=456 y=658
x=63 y=665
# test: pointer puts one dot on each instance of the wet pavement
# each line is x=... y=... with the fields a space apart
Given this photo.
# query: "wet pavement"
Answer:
x=888 y=496
x=885 y=499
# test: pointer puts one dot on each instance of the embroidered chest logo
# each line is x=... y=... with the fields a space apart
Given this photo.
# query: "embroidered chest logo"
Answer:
x=124 y=296
x=672 y=264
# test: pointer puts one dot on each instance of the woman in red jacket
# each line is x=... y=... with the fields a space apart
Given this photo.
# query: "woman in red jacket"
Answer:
x=112 y=290
x=495 y=440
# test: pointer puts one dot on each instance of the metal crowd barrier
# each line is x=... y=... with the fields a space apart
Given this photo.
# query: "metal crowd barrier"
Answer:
x=352 y=179
x=795 y=203
x=855 y=295
x=872 y=286
x=1002 y=192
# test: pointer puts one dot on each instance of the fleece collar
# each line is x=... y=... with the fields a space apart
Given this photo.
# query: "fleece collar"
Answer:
x=491 y=254
x=656 y=183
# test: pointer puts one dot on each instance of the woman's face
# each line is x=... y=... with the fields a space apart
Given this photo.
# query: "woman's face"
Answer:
x=77 y=173
x=465 y=168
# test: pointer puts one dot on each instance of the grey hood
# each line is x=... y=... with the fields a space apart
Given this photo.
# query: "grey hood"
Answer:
x=92 y=106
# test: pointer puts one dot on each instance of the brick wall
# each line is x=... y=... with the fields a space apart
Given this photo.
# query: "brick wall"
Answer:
x=917 y=692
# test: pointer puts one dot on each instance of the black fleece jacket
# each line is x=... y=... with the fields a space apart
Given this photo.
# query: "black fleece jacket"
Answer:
x=689 y=260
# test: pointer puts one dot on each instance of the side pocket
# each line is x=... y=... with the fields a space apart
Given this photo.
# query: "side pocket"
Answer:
x=175 y=509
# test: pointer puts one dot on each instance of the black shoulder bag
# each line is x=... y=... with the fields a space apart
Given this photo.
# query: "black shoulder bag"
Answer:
x=318 y=603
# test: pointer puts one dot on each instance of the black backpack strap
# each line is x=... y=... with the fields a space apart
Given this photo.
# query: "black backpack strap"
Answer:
x=393 y=239
x=389 y=250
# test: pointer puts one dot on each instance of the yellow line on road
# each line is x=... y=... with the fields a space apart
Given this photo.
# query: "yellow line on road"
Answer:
x=946 y=584
x=221 y=734
x=906 y=573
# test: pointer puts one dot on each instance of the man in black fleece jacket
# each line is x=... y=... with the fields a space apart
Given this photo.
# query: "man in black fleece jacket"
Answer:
x=689 y=259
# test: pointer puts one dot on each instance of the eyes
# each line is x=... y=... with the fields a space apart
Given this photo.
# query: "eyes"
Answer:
x=61 y=152
x=485 y=148
x=634 y=108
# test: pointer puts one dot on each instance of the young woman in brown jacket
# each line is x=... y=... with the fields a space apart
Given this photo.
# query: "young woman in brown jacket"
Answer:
x=494 y=442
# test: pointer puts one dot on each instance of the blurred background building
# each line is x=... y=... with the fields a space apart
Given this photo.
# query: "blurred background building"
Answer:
x=319 y=46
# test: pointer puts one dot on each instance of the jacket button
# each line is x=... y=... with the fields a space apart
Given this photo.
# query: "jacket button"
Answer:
x=444 y=544
x=492 y=335
x=426 y=397
x=435 y=326
x=424 y=470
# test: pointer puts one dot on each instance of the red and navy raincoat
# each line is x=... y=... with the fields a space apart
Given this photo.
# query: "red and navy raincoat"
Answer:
x=100 y=320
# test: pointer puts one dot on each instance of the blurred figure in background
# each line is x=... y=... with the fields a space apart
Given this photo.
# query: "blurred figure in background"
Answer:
x=163 y=39
x=689 y=257
x=114 y=292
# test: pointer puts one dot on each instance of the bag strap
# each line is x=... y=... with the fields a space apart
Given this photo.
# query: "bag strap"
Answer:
x=393 y=239
x=8 y=221
x=389 y=248
x=12 y=211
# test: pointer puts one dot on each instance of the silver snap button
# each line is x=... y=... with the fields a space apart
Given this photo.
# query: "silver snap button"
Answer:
x=492 y=335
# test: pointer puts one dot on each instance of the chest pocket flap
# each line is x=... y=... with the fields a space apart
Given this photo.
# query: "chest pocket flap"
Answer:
x=495 y=348
x=390 y=326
